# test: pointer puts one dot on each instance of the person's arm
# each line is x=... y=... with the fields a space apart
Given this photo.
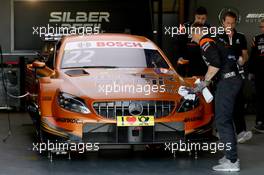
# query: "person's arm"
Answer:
x=211 y=54
x=252 y=59
x=243 y=58
x=181 y=48
x=213 y=59
x=244 y=55
x=211 y=72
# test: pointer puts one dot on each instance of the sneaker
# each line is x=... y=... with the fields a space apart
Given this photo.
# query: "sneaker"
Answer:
x=223 y=160
x=244 y=136
x=259 y=128
x=227 y=166
x=259 y=123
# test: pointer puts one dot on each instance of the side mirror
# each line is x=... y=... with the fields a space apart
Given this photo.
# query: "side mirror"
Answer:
x=41 y=57
x=38 y=64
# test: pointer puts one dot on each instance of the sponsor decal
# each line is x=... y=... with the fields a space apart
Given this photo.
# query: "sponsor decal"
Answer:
x=135 y=120
x=79 y=19
x=261 y=40
x=254 y=17
x=261 y=48
x=108 y=44
x=119 y=44
x=68 y=120
x=193 y=119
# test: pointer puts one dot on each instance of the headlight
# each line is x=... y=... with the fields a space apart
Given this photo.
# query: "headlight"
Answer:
x=188 y=105
x=72 y=103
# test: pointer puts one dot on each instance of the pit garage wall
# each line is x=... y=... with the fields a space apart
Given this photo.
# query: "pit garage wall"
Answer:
x=247 y=26
x=125 y=16
x=5 y=25
x=17 y=17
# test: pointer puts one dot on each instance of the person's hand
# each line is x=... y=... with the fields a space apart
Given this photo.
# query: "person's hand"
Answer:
x=240 y=61
x=182 y=61
x=200 y=86
x=188 y=90
x=251 y=76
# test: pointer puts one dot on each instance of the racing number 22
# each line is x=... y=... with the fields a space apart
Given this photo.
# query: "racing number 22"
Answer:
x=80 y=56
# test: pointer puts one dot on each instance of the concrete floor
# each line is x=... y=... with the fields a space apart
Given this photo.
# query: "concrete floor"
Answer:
x=17 y=157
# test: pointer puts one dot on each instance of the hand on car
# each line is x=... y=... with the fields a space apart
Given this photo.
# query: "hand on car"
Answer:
x=200 y=86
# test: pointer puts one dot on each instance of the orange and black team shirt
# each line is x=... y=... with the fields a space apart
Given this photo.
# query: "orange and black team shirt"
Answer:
x=209 y=51
x=216 y=54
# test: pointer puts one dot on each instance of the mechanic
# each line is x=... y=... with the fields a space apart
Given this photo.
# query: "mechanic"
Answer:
x=188 y=52
x=222 y=65
x=237 y=41
x=256 y=65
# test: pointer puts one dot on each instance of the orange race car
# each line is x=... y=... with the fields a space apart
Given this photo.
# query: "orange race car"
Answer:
x=112 y=89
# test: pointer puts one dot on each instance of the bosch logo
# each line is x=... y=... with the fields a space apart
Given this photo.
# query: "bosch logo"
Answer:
x=84 y=45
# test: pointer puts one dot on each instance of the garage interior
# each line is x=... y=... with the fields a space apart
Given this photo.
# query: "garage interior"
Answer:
x=19 y=45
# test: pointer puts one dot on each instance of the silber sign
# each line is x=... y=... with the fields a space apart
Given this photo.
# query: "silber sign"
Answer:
x=112 y=16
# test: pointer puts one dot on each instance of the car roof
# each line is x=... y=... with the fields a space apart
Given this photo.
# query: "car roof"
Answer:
x=105 y=37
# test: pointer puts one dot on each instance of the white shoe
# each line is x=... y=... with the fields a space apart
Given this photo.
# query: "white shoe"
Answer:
x=223 y=160
x=244 y=136
x=227 y=166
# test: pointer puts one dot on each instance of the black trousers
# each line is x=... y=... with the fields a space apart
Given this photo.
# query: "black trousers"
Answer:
x=239 y=111
x=225 y=96
x=259 y=97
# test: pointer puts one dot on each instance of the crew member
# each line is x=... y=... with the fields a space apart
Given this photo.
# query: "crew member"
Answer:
x=188 y=52
x=222 y=64
x=256 y=67
x=237 y=41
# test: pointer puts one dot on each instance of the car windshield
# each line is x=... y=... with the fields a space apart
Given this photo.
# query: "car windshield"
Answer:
x=112 y=58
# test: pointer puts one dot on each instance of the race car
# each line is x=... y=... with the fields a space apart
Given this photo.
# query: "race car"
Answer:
x=112 y=89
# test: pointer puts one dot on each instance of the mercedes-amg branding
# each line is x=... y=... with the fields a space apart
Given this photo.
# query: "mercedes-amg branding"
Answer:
x=254 y=17
x=135 y=109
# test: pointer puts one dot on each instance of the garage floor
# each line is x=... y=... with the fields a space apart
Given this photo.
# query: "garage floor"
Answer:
x=17 y=157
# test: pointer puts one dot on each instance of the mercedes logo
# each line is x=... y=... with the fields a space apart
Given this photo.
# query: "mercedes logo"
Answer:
x=228 y=9
x=135 y=109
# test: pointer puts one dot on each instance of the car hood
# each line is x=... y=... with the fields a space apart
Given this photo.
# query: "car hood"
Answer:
x=106 y=84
